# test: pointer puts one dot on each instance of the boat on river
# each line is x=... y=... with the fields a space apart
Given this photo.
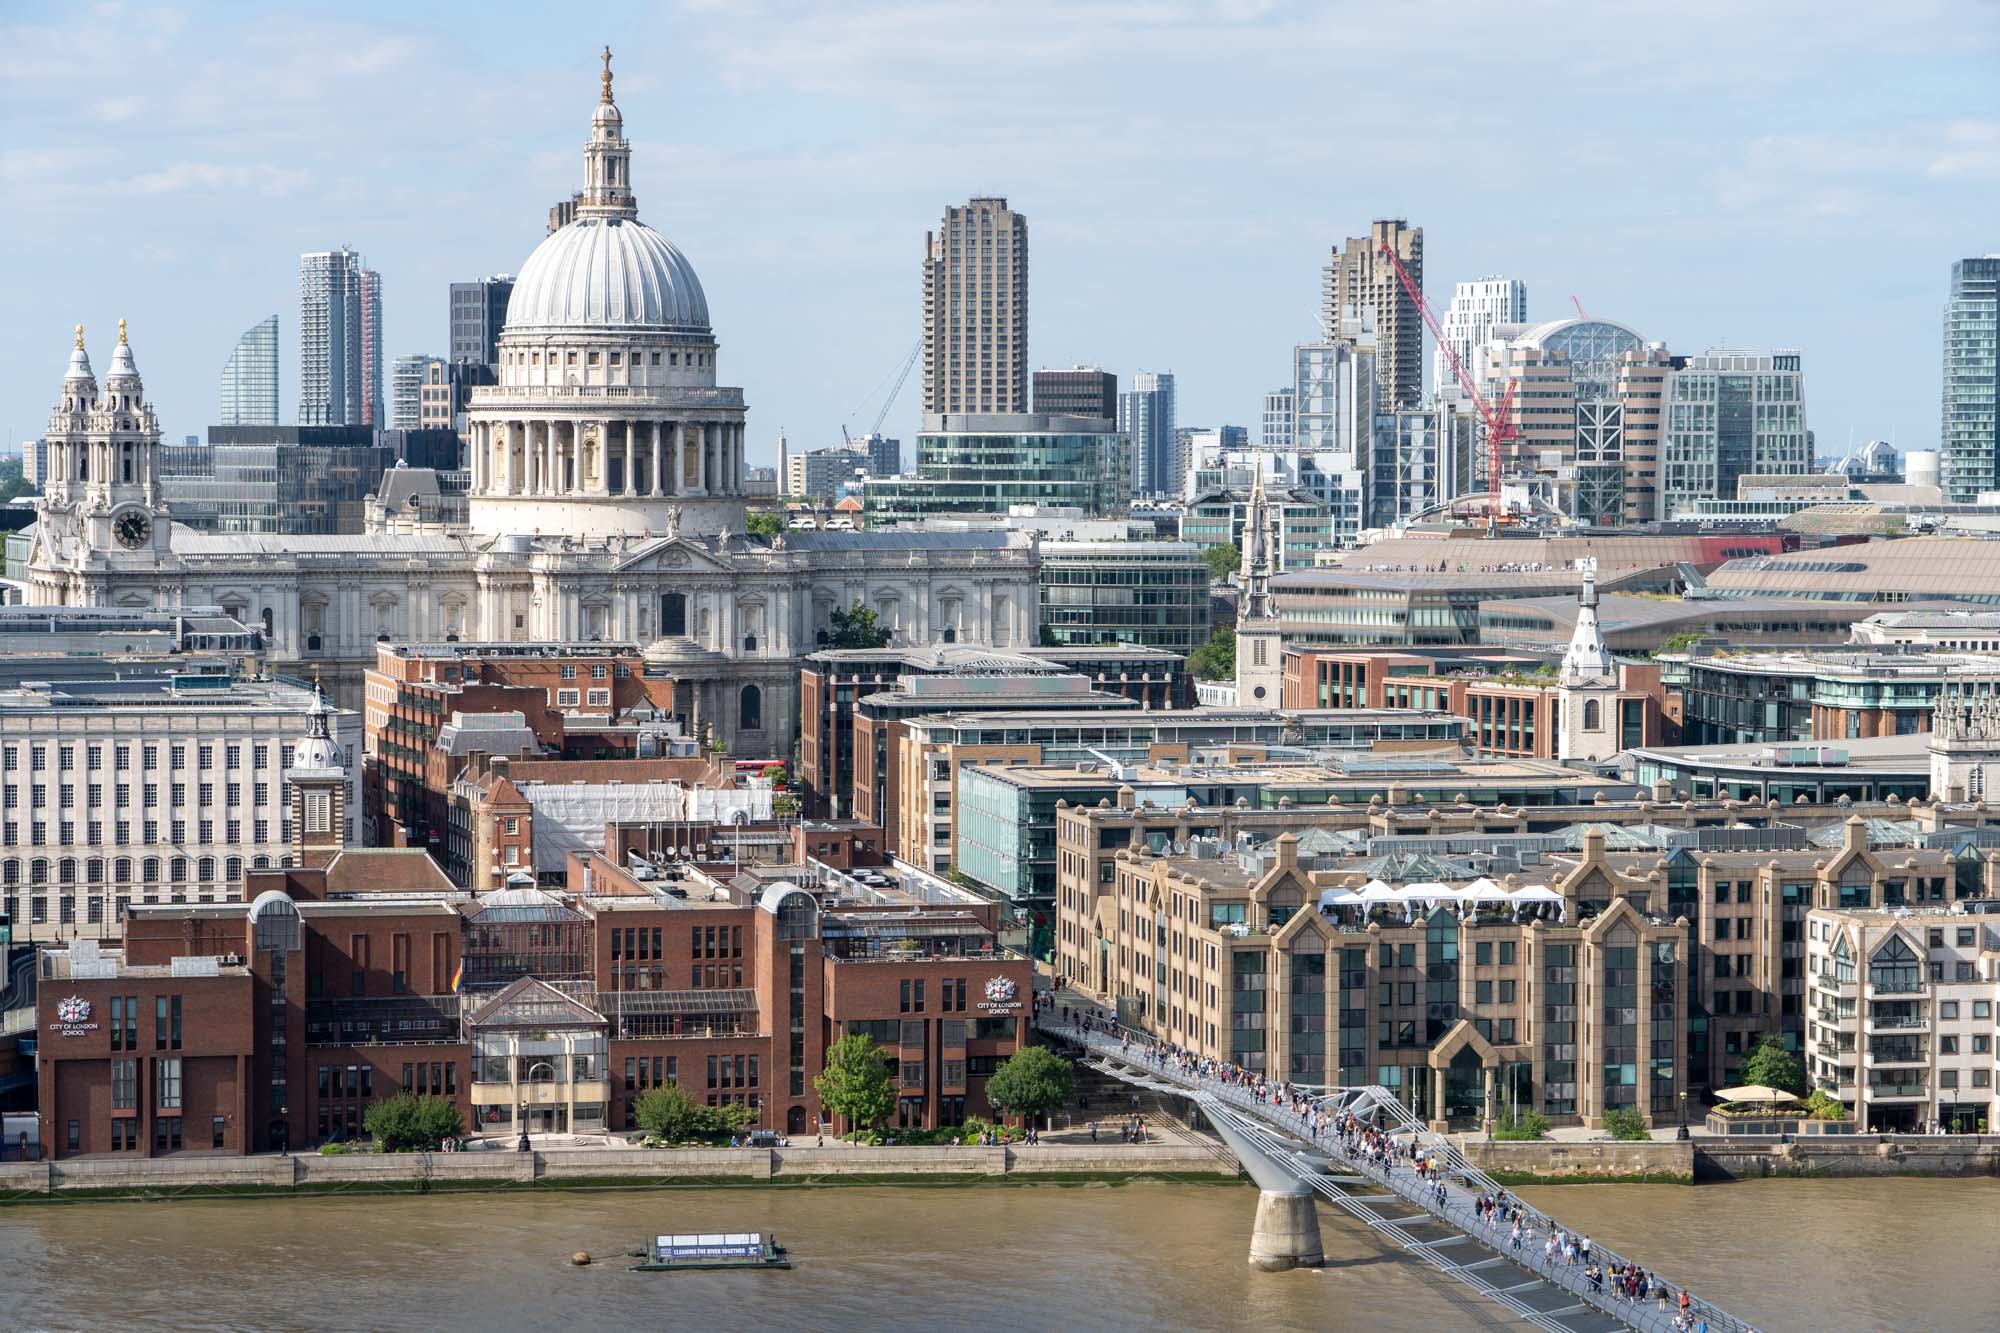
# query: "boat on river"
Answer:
x=691 y=1251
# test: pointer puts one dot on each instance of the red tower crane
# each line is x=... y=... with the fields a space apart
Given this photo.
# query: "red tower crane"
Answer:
x=1498 y=420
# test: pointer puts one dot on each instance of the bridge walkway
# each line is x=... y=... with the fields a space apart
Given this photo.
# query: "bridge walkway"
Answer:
x=1544 y=1291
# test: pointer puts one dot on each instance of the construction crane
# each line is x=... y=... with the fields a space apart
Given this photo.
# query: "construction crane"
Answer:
x=1498 y=420
x=902 y=376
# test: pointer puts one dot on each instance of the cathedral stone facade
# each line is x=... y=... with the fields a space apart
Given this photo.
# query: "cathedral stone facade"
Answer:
x=606 y=503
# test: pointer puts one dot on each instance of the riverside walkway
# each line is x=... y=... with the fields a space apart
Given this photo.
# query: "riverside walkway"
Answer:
x=1448 y=1234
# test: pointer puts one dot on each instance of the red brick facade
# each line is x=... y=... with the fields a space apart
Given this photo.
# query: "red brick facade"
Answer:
x=331 y=993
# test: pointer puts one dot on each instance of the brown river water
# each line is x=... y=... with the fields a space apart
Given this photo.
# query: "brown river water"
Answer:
x=1801 y=1254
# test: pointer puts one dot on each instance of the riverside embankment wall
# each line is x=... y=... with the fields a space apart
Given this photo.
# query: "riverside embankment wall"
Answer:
x=406 y=1172
x=1738 y=1158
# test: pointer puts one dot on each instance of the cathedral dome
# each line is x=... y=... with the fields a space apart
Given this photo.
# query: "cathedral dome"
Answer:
x=609 y=274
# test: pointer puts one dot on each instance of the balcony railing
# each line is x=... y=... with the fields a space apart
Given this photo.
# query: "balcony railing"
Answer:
x=1898 y=1091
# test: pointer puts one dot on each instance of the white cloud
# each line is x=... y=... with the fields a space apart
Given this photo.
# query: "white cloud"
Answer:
x=117 y=110
x=1970 y=152
x=195 y=177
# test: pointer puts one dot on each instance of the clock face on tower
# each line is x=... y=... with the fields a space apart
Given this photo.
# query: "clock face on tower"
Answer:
x=132 y=528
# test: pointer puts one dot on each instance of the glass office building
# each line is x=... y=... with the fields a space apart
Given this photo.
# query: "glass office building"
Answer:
x=1969 y=436
x=250 y=378
x=1150 y=593
x=282 y=480
x=984 y=463
x=1728 y=415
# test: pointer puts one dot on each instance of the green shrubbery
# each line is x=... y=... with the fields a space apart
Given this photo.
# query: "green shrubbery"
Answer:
x=669 y=1115
x=1521 y=1126
x=407 y=1122
x=1626 y=1123
x=968 y=1133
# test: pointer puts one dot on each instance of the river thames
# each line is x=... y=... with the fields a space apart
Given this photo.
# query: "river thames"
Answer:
x=1804 y=1254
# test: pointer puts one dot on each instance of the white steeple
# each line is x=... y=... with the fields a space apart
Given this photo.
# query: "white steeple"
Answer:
x=1587 y=657
x=79 y=366
x=1260 y=647
x=607 y=160
x=1256 y=571
x=123 y=369
x=1587 y=704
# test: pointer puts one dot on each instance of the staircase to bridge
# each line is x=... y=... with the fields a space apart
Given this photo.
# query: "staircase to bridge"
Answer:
x=1293 y=1165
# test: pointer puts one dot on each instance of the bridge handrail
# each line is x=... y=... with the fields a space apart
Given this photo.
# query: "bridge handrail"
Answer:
x=1375 y=1098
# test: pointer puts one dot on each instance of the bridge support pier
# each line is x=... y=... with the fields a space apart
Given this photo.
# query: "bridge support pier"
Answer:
x=1286 y=1233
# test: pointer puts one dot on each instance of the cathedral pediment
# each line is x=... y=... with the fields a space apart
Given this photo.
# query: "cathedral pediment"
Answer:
x=671 y=554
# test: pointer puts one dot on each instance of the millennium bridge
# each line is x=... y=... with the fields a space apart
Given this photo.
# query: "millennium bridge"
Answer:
x=1294 y=1167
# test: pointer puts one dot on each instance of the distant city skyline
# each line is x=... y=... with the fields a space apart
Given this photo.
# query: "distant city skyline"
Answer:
x=799 y=160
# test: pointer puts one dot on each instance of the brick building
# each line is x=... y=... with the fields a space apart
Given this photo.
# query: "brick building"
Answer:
x=493 y=806
x=575 y=700
x=833 y=681
x=1511 y=701
x=274 y=1021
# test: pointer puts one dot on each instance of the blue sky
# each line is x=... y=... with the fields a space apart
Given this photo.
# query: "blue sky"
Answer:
x=1751 y=175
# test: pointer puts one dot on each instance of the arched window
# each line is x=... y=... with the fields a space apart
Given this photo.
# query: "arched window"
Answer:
x=121 y=870
x=274 y=922
x=93 y=870
x=797 y=915
x=10 y=871
x=673 y=615
x=750 y=709
x=1593 y=715
x=38 y=871
x=149 y=870
x=260 y=862
x=206 y=869
x=232 y=870
x=179 y=872
x=66 y=870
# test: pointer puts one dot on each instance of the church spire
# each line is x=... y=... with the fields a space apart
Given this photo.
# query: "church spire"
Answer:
x=79 y=362
x=1256 y=571
x=607 y=159
x=1588 y=657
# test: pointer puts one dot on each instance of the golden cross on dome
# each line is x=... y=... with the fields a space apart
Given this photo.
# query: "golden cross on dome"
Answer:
x=121 y=330
x=607 y=73
x=79 y=337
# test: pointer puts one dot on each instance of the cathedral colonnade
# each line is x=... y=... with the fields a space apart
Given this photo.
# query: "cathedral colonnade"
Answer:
x=610 y=456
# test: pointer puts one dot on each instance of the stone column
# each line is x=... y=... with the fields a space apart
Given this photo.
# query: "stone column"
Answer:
x=631 y=458
x=703 y=436
x=1437 y=1096
x=1286 y=1232
x=1486 y=1106
x=1278 y=1017
x=657 y=488
x=676 y=440
x=472 y=449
